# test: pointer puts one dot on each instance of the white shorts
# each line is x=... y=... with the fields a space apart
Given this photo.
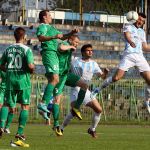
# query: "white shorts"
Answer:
x=134 y=60
x=74 y=95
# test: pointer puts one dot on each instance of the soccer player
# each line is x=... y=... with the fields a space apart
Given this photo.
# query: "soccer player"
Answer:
x=86 y=68
x=64 y=53
x=48 y=35
x=133 y=55
x=17 y=61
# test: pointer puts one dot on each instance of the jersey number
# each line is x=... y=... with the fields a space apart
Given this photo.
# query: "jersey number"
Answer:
x=16 y=61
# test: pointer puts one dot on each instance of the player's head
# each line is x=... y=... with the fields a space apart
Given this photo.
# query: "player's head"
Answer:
x=45 y=16
x=19 y=34
x=141 y=20
x=87 y=51
x=74 y=40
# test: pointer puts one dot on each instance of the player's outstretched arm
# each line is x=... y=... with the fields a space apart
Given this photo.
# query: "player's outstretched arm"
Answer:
x=66 y=47
x=66 y=36
x=48 y=38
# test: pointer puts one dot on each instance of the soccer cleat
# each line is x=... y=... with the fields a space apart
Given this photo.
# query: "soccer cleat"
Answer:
x=19 y=143
x=92 y=133
x=20 y=137
x=58 y=131
x=42 y=107
x=76 y=112
x=44 y=114
x=1 y=132
x=6 y=130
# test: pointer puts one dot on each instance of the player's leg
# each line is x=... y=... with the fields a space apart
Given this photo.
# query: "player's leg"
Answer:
x=124 y=65
x=11 y=102
x=56 y=107
x=94 y=104
x=2 y=91
x=144 y=70
x=56 y=112
x=3 y=118
x=68 y=117
x=9 y=121
x=23 y=97
x=73 y=81
x=51 y=63
x=146 y=76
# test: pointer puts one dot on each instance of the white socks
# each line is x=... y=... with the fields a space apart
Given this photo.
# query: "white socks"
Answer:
x=106 y=82
x=67 y=120
x=95 y=120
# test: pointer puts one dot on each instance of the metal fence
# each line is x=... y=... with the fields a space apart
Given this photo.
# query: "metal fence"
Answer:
x=121 y=101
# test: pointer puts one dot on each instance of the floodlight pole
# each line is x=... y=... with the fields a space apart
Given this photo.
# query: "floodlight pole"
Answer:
x=23 y=11
x=81 y=12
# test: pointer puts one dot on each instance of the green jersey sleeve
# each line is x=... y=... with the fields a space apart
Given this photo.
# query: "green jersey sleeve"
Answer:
x=29 y=55
x=41 y=30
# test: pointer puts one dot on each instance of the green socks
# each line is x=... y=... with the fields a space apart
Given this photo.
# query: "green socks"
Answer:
x=55 y=111
x=48 y=93
x=3 y=117
x=9 y=119
x=80 y=98
x=22 y=121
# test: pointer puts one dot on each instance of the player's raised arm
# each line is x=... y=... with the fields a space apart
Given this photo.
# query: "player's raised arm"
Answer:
x=43 y=38
x=63 y=47
x=66 y=36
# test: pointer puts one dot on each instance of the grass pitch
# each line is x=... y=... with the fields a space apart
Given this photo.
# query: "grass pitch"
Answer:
x=110 y=137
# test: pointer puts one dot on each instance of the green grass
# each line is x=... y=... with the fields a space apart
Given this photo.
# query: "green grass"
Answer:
x=110 y=137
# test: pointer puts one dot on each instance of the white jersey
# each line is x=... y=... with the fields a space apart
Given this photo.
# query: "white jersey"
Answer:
x=85 y=69
x=137 y=36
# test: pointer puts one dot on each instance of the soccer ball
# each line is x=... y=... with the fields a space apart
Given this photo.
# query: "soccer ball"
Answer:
x=132 y=16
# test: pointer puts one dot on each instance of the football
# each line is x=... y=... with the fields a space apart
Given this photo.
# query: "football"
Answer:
x=132 y=16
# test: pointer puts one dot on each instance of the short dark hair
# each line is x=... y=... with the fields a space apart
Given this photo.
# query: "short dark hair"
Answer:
x=84 y=47
x=42 y=13
x=142 y=15
x=19 y=33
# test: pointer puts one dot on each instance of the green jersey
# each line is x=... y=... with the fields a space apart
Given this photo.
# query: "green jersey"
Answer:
x=48 y=30
x=3 y=79
x=17 y=57
x=64 y=59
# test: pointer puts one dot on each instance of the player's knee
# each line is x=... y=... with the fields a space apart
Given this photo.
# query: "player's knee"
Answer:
x=85 y=86
x=55 y=79
x=99 y=110
x=116 y=78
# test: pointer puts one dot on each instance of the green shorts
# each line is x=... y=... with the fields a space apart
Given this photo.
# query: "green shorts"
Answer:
x=68 y=79
x=72 y=80
x=51 y=62
x=17 y=96
x=2 y=94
